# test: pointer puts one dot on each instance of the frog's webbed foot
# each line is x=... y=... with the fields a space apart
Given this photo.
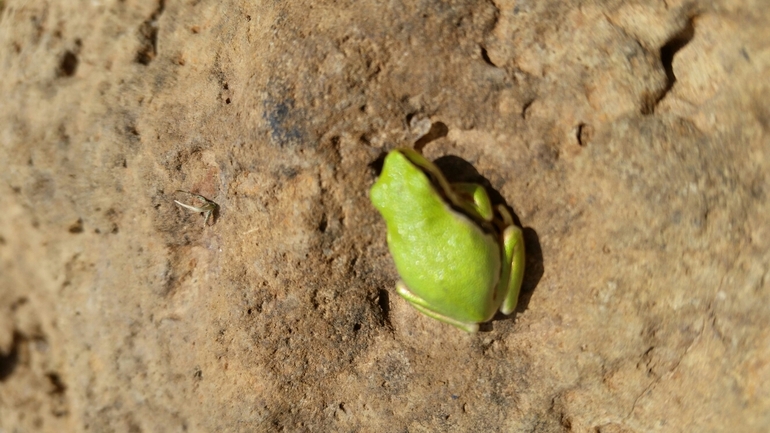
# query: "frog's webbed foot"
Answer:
x=424 y=308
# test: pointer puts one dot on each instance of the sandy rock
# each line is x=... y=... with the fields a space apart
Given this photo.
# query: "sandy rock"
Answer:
x=631 y=139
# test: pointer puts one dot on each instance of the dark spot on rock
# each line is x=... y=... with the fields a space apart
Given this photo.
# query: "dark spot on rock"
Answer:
x=323 y=224
x=68 y=64
x=58 y=386
x=280 y=116
x=9 y=361
x=76 y=227
x=289 y=172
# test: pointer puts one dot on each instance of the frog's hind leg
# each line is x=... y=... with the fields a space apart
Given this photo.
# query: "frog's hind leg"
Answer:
x=513 y=249
x=422 y=306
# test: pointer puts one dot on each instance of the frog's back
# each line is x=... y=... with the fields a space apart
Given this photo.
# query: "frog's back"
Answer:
x=442 y=256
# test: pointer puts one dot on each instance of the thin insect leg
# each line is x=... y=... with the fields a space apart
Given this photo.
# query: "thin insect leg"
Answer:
x=192 y=208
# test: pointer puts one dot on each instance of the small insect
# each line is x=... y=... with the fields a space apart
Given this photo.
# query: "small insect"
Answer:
x=208 y=208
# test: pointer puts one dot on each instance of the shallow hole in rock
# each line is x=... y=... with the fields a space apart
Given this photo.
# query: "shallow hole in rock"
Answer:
x=68 y=64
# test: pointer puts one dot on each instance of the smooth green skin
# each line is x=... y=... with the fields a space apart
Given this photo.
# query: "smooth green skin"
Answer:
x=459 y=267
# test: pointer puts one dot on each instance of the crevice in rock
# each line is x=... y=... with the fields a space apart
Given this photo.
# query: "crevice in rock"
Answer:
x=148 y=35
x=667 y=53
x=485 y=56
x=525 y=107
x=584 y=134
x=323 y=224
x=383 y=301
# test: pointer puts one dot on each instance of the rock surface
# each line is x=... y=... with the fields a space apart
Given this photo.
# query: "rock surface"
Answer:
x=631 y=139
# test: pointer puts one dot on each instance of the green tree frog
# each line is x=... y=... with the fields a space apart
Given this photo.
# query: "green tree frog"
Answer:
x=459 y=258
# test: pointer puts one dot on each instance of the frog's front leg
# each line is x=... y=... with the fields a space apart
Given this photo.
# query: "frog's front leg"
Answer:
x=474 y=200
x=422 y=306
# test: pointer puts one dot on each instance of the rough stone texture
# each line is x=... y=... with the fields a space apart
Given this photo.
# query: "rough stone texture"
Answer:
x=632 y=140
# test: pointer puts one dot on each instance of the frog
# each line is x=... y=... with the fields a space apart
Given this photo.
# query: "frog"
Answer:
x=460 y=258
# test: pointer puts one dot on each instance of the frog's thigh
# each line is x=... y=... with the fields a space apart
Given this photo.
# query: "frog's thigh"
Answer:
x=424 y=308
x=513 y=247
